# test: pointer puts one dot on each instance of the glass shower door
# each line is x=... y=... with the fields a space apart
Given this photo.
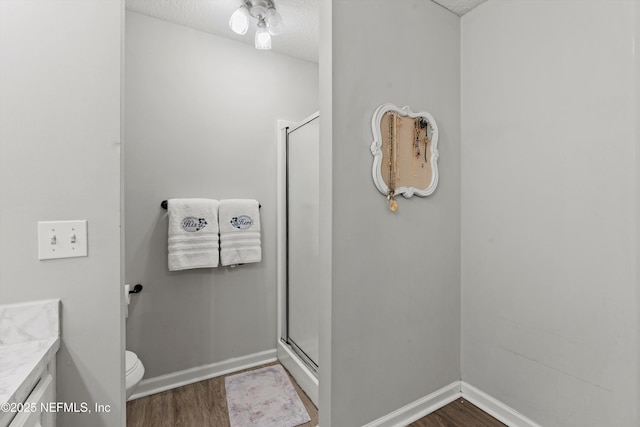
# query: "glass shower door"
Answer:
x=303 y=239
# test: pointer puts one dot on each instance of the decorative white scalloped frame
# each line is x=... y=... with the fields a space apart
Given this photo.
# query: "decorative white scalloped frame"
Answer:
x=376 y=150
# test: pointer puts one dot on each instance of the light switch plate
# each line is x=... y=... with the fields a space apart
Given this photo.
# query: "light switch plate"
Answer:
x=62 y=239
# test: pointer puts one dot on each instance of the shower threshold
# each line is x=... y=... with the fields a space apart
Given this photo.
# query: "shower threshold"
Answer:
x=301 y=368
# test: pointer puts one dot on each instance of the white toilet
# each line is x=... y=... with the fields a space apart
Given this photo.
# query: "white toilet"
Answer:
x=134 y=371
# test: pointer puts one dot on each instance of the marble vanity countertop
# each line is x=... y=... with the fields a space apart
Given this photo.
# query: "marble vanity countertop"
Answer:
x=29 y=340
x=21 y=365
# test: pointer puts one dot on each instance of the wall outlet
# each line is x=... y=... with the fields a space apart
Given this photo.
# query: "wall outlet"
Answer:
x=62 y=239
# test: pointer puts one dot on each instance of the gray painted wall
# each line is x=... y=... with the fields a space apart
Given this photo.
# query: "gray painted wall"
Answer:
x=325 y=227
x=395 y=297
x=201 y=116
x=637 y=139
x=60 y=160
x=549 y=193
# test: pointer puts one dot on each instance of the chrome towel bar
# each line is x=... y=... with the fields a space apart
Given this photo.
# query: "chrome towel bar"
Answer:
x=163 y=205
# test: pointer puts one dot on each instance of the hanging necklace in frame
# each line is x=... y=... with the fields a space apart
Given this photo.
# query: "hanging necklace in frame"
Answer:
x=404 y=141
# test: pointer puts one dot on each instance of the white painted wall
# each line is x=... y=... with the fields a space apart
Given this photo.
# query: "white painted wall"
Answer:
x=59 y=160
x=201 y=115
x=395 y=290
x=549 y=192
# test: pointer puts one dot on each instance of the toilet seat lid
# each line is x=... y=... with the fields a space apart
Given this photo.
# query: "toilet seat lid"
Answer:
x=130 y=361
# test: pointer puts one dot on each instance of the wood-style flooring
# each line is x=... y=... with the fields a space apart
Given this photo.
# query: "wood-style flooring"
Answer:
x=204 y=404
x=459 y=413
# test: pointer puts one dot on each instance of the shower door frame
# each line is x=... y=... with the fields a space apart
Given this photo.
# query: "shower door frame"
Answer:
x=304 y=371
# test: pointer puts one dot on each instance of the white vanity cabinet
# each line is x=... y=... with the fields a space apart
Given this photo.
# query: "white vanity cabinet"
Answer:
x=28 y=345
x=44 y=393
x=35 y=417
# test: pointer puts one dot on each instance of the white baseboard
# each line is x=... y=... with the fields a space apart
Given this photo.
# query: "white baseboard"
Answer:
x=299 y=371
x=436 y=400
x=420 y=408
x=495 y=408
x=201 y=373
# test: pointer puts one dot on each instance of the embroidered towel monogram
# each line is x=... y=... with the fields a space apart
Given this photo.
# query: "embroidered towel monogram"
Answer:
x=239 y=231
x=193 y=233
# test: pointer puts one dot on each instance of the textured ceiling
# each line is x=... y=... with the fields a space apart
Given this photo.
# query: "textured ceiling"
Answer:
x=301 y=22
x=459 y=7
x=300 y=17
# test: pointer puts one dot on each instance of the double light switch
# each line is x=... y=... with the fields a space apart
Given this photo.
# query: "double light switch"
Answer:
x=62 y=239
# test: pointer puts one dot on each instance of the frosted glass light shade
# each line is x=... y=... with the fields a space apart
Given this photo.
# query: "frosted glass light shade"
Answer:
x=239 y=21
x=263 y=38
x=274 y=22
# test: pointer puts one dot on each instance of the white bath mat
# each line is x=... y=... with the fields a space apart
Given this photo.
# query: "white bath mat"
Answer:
x=264 y=398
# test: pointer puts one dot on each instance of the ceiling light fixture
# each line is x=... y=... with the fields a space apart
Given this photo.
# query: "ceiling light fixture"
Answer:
x=269 y=21
x=263 y=38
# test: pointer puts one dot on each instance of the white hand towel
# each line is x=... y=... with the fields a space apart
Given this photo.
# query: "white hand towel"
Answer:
x=193 y=233
x=239 y=231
